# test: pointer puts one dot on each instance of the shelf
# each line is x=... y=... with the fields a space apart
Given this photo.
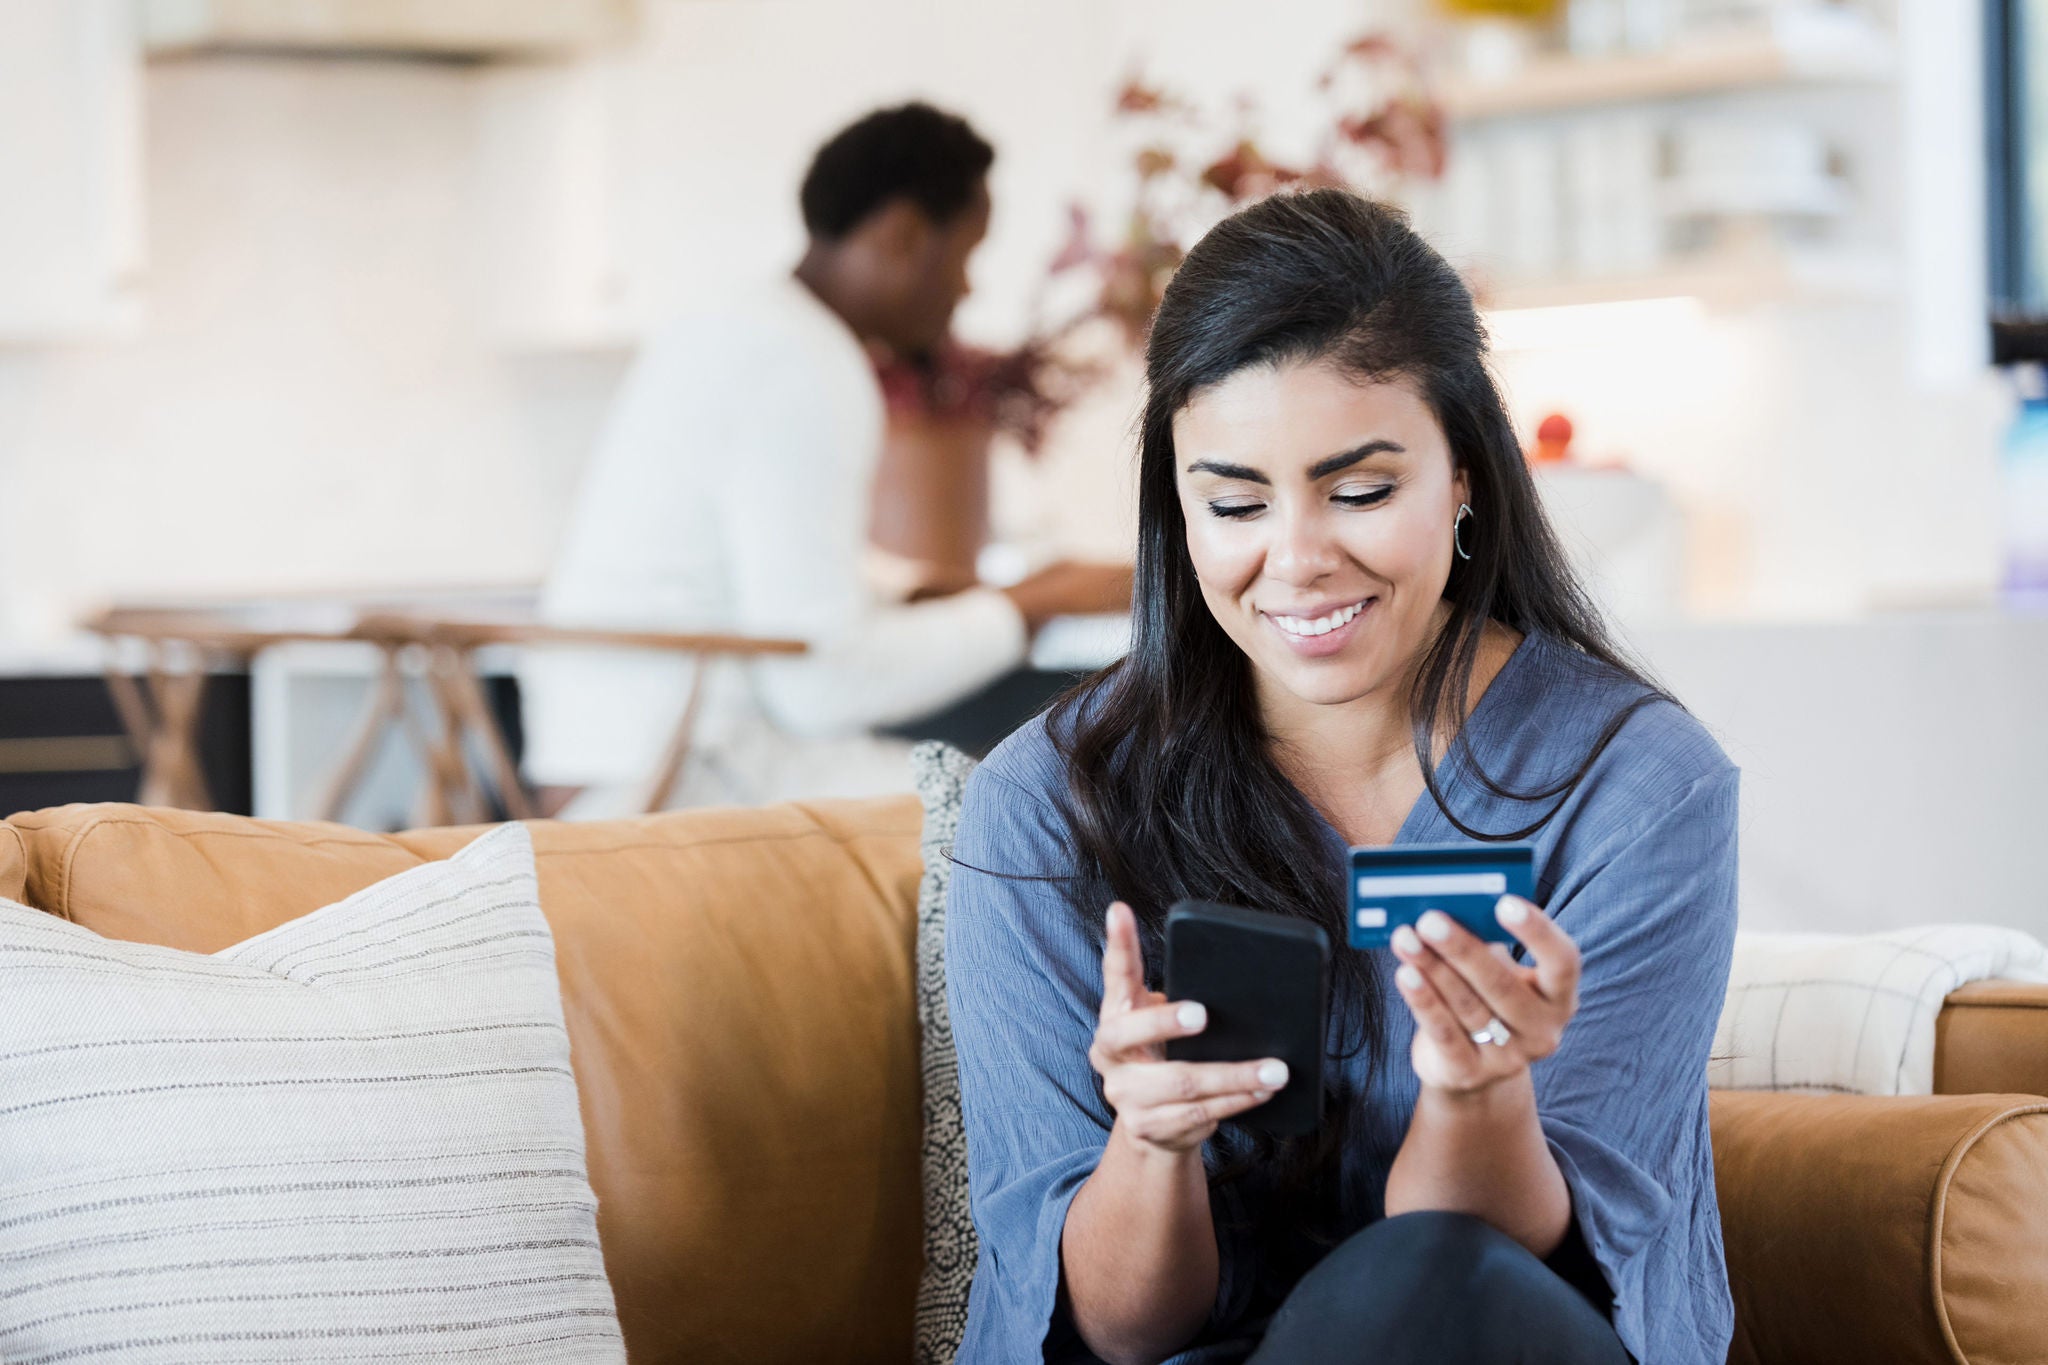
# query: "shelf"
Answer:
x=1730 y=283
x=1810 y=51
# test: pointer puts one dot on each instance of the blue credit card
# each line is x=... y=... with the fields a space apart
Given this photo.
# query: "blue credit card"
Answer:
x=1391 y=887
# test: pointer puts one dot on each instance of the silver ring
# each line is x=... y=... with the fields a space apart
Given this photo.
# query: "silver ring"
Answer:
x=1495 y=1033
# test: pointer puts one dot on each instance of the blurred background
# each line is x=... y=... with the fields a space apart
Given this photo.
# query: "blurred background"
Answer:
x=312 y=312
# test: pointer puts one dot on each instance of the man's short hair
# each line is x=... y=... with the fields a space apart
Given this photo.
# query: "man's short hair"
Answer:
x=912 y=151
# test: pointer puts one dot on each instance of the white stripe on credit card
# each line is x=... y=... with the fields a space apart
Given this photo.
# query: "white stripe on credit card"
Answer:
x=1438 y=884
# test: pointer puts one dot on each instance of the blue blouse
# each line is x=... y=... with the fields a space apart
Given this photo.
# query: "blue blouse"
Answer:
x=1638 y=865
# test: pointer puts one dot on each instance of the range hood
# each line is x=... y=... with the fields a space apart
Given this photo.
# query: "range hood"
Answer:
x=473 y=30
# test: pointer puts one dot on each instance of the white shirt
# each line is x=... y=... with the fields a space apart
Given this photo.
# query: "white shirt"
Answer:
x=730 y=492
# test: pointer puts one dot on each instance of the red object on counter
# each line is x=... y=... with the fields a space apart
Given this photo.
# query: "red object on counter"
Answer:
x=1553 y=440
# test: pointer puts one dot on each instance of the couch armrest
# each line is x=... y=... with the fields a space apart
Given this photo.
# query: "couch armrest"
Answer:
x=1895 y=1229
x=1991 y=1038
x=13 y=864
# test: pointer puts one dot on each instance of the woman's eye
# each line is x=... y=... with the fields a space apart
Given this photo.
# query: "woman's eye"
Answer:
x=1366 y=498
x=1234 y=510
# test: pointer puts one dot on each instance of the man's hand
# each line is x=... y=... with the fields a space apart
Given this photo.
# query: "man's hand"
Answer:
x=1071 y=588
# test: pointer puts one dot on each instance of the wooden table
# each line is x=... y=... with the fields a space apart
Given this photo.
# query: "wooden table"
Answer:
x=182 y=645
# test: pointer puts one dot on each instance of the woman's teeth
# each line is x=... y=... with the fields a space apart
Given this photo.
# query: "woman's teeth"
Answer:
x=1321 y=625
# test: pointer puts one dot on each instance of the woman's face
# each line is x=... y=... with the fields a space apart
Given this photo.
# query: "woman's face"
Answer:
x=1319 y=510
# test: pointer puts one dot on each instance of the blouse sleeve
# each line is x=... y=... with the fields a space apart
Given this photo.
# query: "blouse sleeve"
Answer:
x=1024 y=987
x=1023 y=984
x=1624 y=1099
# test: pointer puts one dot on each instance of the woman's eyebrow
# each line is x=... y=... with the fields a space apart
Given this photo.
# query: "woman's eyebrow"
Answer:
x=1229 y=471
x=1323 y=468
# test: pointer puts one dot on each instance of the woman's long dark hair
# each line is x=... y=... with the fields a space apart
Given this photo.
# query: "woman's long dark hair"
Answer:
x=1174 y=792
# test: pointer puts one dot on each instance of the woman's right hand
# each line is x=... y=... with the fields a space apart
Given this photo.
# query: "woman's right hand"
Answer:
x=1166 y=1106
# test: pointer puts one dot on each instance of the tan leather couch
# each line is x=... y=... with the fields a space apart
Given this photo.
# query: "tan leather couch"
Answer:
x=739 y=993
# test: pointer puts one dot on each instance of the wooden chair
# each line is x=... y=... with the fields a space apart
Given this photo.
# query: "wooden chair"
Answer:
x=451 y=645
x=161 y=711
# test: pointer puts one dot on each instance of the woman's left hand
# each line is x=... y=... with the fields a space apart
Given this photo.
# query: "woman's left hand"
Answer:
x=1457 y=986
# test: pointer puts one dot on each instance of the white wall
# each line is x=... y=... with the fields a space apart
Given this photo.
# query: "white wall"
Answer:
x=317 y=401
x=311 y=402
x=1891 y=769
x=727 y=99
x=1819 y=475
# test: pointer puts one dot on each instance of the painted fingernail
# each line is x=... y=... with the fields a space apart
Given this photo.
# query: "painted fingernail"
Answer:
x=1262 y=1095
x=1405 y=940
x=1273 y=1075
x=1191 y=1015
x=1408 y=977
x=1510 y=910
x=1435 y=926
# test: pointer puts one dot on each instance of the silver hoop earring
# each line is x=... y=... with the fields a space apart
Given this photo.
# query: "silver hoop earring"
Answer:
x=1464 y=511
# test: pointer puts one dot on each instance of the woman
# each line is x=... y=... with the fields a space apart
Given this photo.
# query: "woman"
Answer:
x=1354 y=627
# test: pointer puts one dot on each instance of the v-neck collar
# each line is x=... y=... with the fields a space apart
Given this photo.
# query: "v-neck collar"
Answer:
x=1447 y=774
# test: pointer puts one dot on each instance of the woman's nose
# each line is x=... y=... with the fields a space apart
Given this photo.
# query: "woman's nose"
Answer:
x=1302 y=549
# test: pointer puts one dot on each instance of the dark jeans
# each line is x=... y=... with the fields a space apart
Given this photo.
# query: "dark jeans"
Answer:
x=1436 y=1289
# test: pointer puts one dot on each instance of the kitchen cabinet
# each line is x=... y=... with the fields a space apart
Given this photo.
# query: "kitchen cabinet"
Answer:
x=1738 y=164
x=455 y=29
x=552 y=230
x=71 y=239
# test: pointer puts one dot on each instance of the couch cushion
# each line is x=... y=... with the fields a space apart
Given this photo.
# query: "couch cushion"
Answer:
x=738 y=990
x=1993 y=1036
x=276 y=1149
x=1908 y=1230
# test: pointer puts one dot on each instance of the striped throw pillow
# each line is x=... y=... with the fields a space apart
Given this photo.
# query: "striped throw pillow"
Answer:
x=354 y=1137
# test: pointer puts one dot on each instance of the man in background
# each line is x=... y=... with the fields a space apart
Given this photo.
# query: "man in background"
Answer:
x=731 y=493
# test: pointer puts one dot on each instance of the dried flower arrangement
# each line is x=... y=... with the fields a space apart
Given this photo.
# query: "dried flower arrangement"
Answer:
x=1384 y=130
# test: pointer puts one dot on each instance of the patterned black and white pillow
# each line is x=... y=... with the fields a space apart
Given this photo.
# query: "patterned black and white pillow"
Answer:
x=940 y=772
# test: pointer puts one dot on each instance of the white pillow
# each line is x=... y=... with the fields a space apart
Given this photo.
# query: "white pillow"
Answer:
x=354 y=1137
x=1853 y=1013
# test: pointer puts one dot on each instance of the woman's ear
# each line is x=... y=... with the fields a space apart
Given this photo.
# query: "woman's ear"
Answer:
x=1461 y=485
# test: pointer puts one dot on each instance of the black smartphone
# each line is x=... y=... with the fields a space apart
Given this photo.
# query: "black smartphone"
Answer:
x=1265 y=982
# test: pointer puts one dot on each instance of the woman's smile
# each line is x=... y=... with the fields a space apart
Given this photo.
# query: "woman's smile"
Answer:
x=1319 y=632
